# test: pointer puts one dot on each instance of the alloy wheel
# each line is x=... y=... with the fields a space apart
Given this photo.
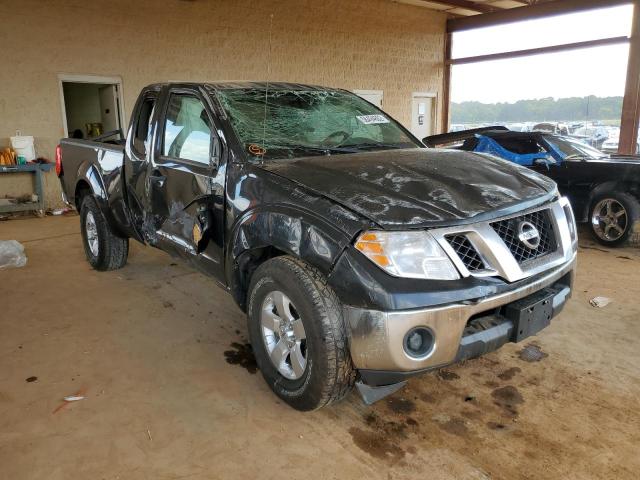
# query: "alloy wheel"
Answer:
x=91 y=230
x=283 y=335
x=609 y=219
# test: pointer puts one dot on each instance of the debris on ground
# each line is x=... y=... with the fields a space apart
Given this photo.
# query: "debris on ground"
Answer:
x=12 y=254
x=79 y=395
x=600 y=302
x=59 y=211
x=31 y=379
x=73 y=398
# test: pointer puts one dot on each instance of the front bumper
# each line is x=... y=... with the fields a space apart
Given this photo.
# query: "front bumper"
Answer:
x=377 y=337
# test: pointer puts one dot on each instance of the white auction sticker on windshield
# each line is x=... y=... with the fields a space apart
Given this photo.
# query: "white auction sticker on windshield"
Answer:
x=372 y=119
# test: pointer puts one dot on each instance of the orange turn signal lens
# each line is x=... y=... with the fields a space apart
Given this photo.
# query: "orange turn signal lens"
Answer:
x=369 y=247
x=372 y=246
x=381 y=260
x=369 y=237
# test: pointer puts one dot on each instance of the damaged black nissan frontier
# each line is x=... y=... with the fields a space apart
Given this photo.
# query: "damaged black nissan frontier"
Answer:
x=360 y=256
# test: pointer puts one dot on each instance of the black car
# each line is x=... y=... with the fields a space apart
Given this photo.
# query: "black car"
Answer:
x=360 y=256
x=604 y=190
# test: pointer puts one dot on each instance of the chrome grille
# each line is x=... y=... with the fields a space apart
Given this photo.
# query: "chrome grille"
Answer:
x=508 y=232
x=467 y=252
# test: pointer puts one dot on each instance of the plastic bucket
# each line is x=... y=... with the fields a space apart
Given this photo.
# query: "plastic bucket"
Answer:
x=23 y=145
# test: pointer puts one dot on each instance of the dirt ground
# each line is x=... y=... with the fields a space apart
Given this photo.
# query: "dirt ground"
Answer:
x=170 y=391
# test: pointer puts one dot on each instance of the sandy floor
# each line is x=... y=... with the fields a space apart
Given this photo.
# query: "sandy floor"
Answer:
x=149 y=347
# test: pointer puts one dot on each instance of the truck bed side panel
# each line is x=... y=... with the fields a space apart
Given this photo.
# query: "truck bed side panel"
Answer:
x=100 y=165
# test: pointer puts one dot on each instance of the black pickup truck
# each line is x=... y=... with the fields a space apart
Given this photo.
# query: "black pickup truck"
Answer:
x=360 y=256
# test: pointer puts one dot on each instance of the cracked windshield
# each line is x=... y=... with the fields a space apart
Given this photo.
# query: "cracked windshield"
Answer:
x=293 y=123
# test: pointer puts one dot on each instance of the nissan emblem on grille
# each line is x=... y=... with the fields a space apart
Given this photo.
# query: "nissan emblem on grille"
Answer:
x=528 y=234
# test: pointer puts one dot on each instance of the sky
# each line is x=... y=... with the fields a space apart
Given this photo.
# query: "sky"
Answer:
x=597 y=71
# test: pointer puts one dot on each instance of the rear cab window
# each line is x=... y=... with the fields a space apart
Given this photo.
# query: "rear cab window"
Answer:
x=142 y=129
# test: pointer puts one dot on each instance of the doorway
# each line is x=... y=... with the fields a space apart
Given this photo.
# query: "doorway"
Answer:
x=91 y=105
x=423 y=114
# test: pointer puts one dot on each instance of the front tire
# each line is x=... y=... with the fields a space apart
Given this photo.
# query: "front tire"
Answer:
x=103 y=248
x=298 y=334
x=612 y=216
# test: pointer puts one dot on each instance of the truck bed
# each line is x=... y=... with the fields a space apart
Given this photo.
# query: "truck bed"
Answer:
x=79 y=157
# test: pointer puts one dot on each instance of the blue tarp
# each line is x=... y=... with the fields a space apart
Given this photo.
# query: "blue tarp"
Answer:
x=489 y=145
x=555 y=151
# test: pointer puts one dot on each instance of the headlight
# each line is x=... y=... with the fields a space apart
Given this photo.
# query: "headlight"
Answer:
x=407 y=254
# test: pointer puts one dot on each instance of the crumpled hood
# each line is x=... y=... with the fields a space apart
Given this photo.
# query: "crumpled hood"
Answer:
x=417 y=187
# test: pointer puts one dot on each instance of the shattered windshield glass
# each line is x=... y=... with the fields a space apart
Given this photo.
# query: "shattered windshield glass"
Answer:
x=295 y=123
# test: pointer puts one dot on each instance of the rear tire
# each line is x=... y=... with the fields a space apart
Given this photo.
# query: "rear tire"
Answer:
x=315 y=369
x=612 y=216
x=103 y=248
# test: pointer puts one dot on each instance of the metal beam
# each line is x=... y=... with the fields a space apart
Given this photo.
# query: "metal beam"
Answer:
x=538 y=10
x=467 y=5
x=539 y=51
x=446 y=90
x=631 y=103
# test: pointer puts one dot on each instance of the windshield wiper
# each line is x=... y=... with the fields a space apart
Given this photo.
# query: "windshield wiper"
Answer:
x=374 y=144
x=327 y=150
x=312 y=148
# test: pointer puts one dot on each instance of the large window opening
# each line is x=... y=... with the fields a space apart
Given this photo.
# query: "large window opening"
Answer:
x=576 y=92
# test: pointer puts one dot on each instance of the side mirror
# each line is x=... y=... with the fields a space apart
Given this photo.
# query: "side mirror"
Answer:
x=216 y=152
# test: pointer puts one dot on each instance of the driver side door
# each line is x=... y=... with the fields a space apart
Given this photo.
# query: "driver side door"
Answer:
x=186 y=180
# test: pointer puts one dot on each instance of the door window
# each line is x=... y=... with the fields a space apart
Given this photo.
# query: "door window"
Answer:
x=142 y=131
x=187 y=131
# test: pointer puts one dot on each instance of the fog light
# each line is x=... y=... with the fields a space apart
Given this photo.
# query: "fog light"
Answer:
x=418 y=342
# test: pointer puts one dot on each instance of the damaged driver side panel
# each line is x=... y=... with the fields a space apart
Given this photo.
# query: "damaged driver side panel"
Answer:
x=271 y=218
x=185 y=182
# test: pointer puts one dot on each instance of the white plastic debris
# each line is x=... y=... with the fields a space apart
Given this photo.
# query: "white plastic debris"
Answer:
x=12 y=254
x=600 y=302
x=73 y=398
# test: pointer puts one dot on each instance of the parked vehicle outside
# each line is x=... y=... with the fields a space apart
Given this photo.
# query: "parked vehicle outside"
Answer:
x=610 y=145
x=359 y=256
x=592 y=135
x=551 y=127
x=604 y=191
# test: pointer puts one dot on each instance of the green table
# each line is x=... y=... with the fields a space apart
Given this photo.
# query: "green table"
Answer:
x=36 y=169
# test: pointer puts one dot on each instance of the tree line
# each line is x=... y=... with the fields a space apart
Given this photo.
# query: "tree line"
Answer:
x=542 y=109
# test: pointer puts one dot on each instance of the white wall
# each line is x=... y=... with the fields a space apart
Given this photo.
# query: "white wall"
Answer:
x=351 y=44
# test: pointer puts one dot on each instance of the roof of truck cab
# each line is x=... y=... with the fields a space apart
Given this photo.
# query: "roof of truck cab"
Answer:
x=248 y=85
